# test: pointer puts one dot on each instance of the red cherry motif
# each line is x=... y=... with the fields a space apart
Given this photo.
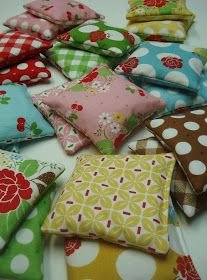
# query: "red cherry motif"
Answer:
x=73 y=106
x=21 y=120
x=20 y=124
x=141 y=92
x=79 y=108
x=2 y=92
x=118 y=140
x=81 y=6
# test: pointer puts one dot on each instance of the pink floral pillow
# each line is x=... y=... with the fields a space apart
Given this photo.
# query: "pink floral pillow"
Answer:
x=70 y=138
x=38 y=27
x=62 y=12
x=104 y=106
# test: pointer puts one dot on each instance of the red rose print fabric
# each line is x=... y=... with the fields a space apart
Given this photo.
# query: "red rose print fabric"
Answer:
x=155 y=3
x=172 y=62
x=71 y=244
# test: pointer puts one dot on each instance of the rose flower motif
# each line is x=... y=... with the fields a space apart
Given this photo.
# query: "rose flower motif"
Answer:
x=129 y=37
x=14 y=187
x=70 y=245
x=97 y=35
x=65 y=36
x=172 y=62
x=186 y=268
x=155 y=3
x=129 y=64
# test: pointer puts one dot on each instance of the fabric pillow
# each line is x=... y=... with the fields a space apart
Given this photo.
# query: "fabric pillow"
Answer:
x=75 y=63
x=104 y=106
x=22 y=119
x=29 y=71
x=175 y=31
x=38 y=27
x=14 y=148
x=169 y=64
x=17 y=46
x=23 y=257
x=103 y=260
x=178 y=101
x=69 y=137
x=64 y=12
x=123 y=199
x=185 y=135
x=22 y=183
x=100 y=38
x=147 y=10
x=181 y=190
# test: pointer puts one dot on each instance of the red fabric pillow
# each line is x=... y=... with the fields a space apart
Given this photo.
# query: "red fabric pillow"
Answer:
x=17 y=46
x=29 y=71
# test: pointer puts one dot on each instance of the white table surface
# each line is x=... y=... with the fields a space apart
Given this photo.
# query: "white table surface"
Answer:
x=49 y=149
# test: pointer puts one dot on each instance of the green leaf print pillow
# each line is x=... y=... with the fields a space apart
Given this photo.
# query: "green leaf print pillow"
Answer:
x=100 y=38
x=22 y=183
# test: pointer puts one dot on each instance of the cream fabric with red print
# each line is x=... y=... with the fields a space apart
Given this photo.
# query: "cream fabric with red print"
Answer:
x=17 y=46
x=28 y=72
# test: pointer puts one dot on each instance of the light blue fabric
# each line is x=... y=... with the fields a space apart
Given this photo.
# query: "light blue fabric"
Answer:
x=169 y=64
x=14 y=148
x=19 y=119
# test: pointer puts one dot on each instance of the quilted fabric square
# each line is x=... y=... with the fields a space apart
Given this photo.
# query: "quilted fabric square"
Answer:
x=64 y=12
x=75 y=63
x=100 y=38
x=163 y=31
x=168 y=64
x=69 y=137
x=178 y=101
x=185 y=135
x=147 y=10
x=17 y=46
x=29 y=71
x=37 y=27
x=123 y=199
x=181 y=190
x=22 y=183
x=23 y=257
x=104 y=106
x=19 y=119
x=103 y=260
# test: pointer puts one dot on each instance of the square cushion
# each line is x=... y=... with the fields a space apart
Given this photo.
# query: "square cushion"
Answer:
x=100 y=38
x=64 y=12
x=178 y=100
x=22 y=183
x=75 y=63
x=147 y=10
x=17 y=46
x=23 y=257
x=169 y=64
x=164 y=31
x=70 y=138
x=185 y=135
x=104 y=106
x=181 y=190
x=123 y=199
x=23 y=121
x=37 y=27
x=28 y=71
x=103 y=260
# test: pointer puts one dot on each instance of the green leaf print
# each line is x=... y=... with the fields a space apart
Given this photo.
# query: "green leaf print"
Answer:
x=37 y=131
x=73 y=117
x=4 y=100
x=33 y=125
x=77 y=87
x=29 y=167
x=106 y=146
x=105 y=72
x=131 y=122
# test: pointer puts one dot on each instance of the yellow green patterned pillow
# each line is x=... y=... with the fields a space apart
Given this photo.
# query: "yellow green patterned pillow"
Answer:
x=148 y=10
x=122 y=199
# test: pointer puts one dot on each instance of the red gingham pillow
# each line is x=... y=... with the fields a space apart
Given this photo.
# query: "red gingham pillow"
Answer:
x=28 y=71
x=16 y=46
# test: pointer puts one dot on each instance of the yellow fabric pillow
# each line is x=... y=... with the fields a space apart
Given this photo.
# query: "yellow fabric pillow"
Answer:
x=149 y=10
x=123 y=199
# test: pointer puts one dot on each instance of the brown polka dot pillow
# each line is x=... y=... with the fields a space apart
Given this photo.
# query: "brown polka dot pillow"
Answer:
x=186 y=136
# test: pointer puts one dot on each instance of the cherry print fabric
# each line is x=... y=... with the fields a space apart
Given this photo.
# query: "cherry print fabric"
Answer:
x=27 y=72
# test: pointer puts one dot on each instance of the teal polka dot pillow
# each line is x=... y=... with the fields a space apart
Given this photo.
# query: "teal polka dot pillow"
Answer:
x=101 y=38
x=168 y=64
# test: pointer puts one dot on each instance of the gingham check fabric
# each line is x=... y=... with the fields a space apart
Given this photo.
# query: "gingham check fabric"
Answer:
x=75 y=63
x=181 y=190
x=16 y=46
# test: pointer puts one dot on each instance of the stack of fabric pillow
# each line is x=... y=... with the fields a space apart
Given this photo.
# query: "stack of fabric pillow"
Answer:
x=159 y=20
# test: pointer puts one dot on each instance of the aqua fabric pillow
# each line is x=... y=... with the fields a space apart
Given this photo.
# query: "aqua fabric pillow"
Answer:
x=169 y=64
x=19 y=119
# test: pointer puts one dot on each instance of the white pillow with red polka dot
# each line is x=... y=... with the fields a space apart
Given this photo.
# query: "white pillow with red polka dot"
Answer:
x=28 y=72
x=186 y=136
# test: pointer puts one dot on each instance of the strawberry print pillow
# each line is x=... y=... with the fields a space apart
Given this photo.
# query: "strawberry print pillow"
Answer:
x=19 y=119
x=17 y=46
x=64 y=12
x=22 y=182
x=100 y=38
x=168 y=64
x=104 y=106
x=38 y=27
x=28 y=71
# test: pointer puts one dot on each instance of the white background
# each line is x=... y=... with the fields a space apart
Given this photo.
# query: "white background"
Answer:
x=195 y=230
